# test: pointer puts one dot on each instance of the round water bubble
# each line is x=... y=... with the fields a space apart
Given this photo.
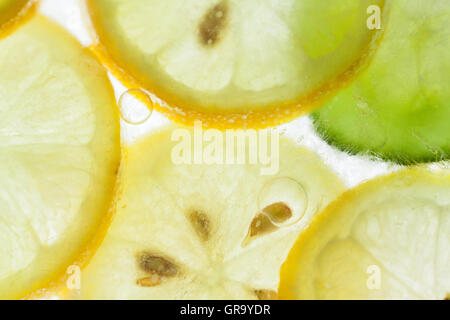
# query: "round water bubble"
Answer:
x=135 y=106
x=283 y=200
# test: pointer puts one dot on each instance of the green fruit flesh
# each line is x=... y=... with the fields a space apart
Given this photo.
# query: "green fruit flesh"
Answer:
x=399 y=108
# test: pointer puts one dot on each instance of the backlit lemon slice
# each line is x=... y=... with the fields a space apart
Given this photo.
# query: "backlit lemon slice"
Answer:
x=59 y=152
x=235 y=63
x=204 y=231
x=386 y=239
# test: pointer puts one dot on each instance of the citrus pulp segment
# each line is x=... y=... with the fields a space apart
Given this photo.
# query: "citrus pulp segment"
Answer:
x=59 y=151
x=196 y=231
x=235 y=63
x=386 y=239
x=399 y=108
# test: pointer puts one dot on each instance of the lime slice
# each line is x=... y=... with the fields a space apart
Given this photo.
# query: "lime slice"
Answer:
x=14 y=11
x=234 y=62
x=59 y=152
x=386 y=239
x=204 y=231
x=399 y=108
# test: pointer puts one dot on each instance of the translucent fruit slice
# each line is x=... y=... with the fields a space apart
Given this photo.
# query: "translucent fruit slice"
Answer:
x=59 y=152
x=204 y=231
x=386 y=239
x=14 y=11
x=399 y=108
x=234 y=63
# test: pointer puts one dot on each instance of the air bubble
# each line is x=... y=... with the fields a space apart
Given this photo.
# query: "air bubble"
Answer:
x=288 y=192
x=135 y=106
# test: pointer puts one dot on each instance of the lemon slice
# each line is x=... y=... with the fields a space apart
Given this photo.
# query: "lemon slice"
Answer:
x=399 y=108
x=386 y=239
x=204 y=231
x=12 y=12
x=234 y=63
x=59 y=152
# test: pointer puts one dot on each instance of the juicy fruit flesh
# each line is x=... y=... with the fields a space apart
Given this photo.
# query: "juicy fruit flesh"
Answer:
x=233 y=56
x=399 y=108
x=59 y=149
x=181 y=231
x=387 y=239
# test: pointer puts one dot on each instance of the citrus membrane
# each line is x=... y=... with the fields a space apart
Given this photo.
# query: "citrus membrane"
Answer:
x=234 y=63
x=195 y=230
x=399 y=108
x=386 y=239
x=12 y=12
x=59 y=151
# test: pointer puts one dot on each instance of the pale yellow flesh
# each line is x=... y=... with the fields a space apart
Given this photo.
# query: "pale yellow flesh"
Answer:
x=254 y=55
x=154 y=216
x=59 y=151
x=387 y=239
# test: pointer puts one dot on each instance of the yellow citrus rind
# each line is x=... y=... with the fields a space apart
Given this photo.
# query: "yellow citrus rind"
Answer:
x=17 y=14
x=60 y=137
x=302 y=274
x=183 y=112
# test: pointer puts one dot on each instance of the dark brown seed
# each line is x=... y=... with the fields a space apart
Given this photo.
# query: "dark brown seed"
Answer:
x=279 y=212
x=151 y=281
x=201 y=224
x=266 y=294
x=156 y=265
x=213 y=24
x=261 y=225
